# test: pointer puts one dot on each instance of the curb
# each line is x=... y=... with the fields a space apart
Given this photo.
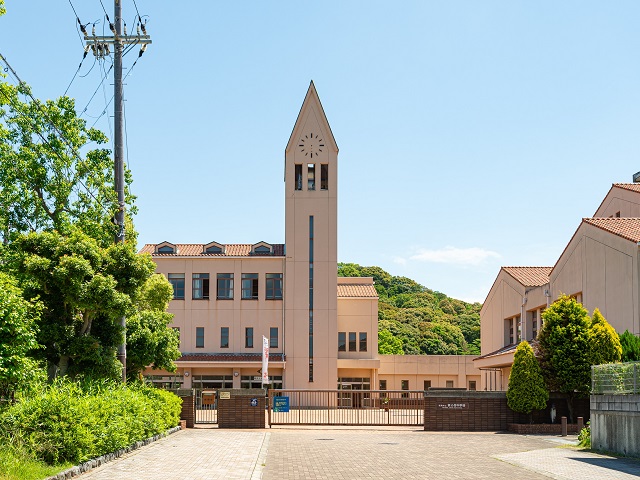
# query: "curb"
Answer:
x=109 y=457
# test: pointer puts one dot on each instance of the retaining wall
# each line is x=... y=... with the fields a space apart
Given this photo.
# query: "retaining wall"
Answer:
x=615 y=424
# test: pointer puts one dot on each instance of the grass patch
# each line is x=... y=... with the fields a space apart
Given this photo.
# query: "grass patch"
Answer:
x=17 y=464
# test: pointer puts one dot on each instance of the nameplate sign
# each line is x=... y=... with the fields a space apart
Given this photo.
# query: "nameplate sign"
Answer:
x=452 y=406
x=225 y=395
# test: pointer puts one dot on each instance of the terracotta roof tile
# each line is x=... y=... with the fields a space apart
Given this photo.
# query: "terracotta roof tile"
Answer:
x=229 y=357
x=361 y=291
x=196 y=249
x=634 y=187
x=530 y=276
x=628 y=228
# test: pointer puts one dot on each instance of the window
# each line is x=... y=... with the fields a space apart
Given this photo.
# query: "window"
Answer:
x=363 y=341
x=534 y=324
x=249 y=286
x=200 y=286
x=383 y=385
x=248 y=337
x=518 y=321
x=449 y=383
x=273 y=337
x=298 y=175
x=404 y=385
x=472 y=385
x=177 y=281
x=224 y=337
x=352 y=341
x=274 y=286
x=225 y=286
x=342 y=341
x=617 y=214
x=214 y=249
x=311 y=176
x=427 y=384
x=166 y=249
x=199 y=337
x=324 y=177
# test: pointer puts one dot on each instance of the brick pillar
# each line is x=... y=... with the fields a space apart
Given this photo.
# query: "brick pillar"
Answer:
x=189 y=411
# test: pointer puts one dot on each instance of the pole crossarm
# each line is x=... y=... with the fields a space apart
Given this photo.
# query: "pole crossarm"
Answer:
x=122 y=39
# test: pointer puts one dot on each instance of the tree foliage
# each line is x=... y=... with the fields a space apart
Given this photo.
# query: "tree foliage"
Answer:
x=17 y=337
x=527 y=390
x=388 y=344
x=54 y=170
x=630 y=347
x=423 y=320
x=85 y=289
x=604 y=342
x=150 y=341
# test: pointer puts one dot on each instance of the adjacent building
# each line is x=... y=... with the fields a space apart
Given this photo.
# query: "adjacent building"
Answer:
x=599 y=267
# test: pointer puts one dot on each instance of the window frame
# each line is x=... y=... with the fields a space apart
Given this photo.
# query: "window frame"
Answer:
x=248 y=337
x=311 y=176
x=362 y=340
x=204 y=289
x=224 y=330
x=199 y=337
x=273 y=344
x=249 y=286
x=224 y=286
x=174 y=280
x=273 y=286
x=324 y=176
x=342 y=347
x=353 y=343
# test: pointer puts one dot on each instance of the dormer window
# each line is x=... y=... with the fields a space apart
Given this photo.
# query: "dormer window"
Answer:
x=166 y=247
x=262 y=248
x=213 y=248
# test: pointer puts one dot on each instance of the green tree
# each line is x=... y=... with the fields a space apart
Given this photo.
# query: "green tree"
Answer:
x=604 y=342
x=630 y=347
x=564 y=349
x=150 y=341
x=527 y=390
x=17 y=338
x=388 y=344
x=84 y=289
x=46 y=183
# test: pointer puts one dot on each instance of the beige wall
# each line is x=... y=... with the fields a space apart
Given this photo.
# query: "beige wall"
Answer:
x=437 y=368
x=212 y=314
x=620 y=200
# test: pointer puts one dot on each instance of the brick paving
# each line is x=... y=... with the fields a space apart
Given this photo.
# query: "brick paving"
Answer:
x=348 y=453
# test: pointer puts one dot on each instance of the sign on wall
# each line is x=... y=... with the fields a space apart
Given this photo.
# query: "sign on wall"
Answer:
x=281 y=404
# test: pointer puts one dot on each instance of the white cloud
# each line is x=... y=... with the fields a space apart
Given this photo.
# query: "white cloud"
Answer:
x=400 y=260
x=457 y=256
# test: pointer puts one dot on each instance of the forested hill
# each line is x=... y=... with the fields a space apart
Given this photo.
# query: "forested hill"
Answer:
x=413 y=319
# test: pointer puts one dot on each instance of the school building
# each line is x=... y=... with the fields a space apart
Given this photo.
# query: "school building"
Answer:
x=322 y=329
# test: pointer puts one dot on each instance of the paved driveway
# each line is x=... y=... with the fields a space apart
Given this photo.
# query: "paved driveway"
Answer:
x=344 y=453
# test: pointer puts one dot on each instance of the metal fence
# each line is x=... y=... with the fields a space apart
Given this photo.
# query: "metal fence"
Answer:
x=346 y=407
x=207 y=407
x=615 y=379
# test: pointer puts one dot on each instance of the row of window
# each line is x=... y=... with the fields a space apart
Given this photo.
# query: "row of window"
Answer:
x=311 y=176
x=224 y=286
x=353 y=341
x=224 y=337
x=404 y=384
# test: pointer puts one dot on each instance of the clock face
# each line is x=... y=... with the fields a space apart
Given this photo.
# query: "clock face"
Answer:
x=312 y=145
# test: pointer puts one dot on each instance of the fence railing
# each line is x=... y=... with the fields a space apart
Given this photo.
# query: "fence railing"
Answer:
x=346 y=407
x=615 y=379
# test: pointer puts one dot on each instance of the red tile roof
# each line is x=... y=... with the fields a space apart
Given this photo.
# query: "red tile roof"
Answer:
x=634 y=187
x=357 y=291
x=628 y=228
x=530 y=276
x=197 y=249
x=229 y=357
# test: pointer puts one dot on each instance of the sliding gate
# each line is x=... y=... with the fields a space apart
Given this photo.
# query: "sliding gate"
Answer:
x=206 y=406
x=346 y=407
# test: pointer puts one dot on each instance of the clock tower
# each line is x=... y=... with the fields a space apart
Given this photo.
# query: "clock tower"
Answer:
x=311 y=231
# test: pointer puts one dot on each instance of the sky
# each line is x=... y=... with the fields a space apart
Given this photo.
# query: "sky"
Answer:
x=472 y=134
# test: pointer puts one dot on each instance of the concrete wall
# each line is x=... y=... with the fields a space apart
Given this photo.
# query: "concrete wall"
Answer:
x=615 y=423
x=438 y=369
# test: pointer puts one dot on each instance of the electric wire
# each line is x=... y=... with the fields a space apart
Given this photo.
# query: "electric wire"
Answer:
x=95 y=91
x=78 y=20
x=52 y=124
x=104 y=92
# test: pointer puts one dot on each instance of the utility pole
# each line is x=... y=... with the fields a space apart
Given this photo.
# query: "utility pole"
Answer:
x=101 y=47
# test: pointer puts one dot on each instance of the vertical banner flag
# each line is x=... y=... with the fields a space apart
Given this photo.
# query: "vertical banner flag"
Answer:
x=265 y=360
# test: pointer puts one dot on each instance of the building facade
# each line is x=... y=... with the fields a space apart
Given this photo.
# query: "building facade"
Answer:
x=322 y=329
x=599 y=267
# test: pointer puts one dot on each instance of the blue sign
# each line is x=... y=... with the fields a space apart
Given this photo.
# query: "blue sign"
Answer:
x=280 y=404
x=254 y=402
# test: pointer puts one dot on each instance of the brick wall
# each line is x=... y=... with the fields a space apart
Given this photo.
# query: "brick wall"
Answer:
x=238 y=410
x=487 y=411
x=188 y=411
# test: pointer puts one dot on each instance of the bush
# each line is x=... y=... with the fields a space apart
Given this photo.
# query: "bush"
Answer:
x=73 y=421
x=584 y=437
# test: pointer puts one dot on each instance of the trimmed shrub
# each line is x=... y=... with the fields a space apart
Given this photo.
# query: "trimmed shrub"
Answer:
x=72 y=422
